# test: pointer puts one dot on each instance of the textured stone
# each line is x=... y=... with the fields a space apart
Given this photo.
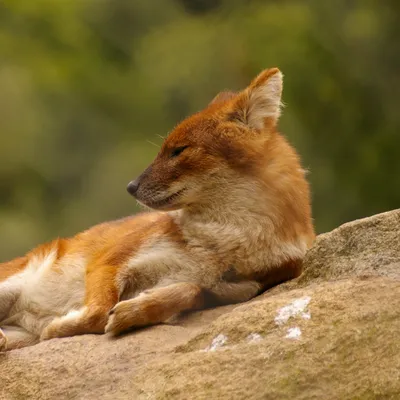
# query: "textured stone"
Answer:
x=331 y=334
x=365 y=247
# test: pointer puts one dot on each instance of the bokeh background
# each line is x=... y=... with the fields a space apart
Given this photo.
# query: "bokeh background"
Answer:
x=88 y=87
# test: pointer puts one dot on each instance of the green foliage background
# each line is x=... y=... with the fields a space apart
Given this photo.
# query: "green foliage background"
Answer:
x=86 y=85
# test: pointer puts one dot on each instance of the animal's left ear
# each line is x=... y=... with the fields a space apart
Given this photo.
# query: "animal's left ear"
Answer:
x=260 y=103
x=223 y=97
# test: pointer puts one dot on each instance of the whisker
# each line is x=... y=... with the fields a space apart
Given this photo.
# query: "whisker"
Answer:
x=154 y=144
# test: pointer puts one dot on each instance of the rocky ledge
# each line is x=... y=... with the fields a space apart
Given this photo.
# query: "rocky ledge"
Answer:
x=330 y=334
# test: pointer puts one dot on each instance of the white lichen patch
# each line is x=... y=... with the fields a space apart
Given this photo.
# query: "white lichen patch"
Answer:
x=254 y=338
x=295 y=308
x=293 y=333
x=217 y=343
x=306 y=315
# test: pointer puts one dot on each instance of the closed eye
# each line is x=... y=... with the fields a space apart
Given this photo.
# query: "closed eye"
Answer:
x=178 y=150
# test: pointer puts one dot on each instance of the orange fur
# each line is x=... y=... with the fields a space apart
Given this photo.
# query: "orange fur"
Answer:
x=10 y=268
x=232 y=218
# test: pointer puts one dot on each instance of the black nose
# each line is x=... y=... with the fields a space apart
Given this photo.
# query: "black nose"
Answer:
x=133 y=187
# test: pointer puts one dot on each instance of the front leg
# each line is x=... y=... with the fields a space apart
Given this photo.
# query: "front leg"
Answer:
x=155 y=306
x=101 y=295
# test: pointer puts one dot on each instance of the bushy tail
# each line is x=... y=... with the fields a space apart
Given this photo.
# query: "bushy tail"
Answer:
x=12 y=267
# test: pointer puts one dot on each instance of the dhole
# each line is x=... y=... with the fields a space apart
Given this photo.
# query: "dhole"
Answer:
x=232 y=219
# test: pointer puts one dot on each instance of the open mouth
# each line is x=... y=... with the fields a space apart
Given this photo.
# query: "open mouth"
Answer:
x=165 y=201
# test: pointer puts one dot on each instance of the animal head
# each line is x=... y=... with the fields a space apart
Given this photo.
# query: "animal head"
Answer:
x=209 y=149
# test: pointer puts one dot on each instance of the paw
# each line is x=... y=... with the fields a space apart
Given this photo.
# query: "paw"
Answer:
x=52 y=330
x=124 y=315
x=67 y=325
x=3 y=341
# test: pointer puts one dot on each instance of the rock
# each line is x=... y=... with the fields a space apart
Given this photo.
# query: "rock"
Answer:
x=348 y=347
x=331 y=334
x=366 y=247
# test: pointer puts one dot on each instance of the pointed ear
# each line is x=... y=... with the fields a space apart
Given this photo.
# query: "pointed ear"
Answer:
x=260 y=103
x=222 y=97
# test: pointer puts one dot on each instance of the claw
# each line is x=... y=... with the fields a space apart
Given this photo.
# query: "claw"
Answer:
x=3 y=340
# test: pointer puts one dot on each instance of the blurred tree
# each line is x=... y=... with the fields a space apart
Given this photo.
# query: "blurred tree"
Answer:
x=87 y=87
